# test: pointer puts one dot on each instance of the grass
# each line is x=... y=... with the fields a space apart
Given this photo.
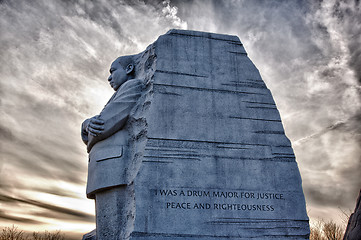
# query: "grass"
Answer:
x=327 y=231
x=13 y=233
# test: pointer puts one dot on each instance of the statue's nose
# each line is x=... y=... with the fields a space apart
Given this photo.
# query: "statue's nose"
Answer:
x=110 y=78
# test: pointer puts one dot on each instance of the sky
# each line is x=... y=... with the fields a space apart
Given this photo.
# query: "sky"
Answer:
x=54 y=63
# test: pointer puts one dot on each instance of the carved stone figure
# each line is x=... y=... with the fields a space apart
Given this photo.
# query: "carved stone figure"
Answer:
x=112 y=160
x=104 y=134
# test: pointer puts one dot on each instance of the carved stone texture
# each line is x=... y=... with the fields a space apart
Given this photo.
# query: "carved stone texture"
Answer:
x=353 y=230
x=116 y=141
x=217 y=163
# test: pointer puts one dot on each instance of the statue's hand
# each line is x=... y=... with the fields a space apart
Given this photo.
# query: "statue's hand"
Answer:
x=84 y=131
x=95 y=126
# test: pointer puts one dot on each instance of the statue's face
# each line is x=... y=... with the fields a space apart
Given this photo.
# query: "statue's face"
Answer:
x=118 y=75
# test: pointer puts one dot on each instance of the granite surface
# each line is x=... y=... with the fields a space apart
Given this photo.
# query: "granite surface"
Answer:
x=216 y=163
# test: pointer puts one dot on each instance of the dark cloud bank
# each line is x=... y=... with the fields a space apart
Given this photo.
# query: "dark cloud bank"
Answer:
x=54 y=57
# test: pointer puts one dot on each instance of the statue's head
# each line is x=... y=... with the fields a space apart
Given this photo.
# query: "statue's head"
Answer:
x=121 y=70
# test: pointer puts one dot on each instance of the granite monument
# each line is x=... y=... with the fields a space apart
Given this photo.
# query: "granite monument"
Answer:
x=353 y=230
x=191 y=146
x=115 y=142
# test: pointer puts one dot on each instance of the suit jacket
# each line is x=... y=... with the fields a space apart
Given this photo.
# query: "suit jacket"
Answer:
x=109 y=153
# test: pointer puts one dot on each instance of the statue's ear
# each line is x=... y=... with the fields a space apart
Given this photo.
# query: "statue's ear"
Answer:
x=129 y=69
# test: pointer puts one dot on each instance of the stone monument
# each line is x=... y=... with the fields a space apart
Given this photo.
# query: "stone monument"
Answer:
x=353 y=230
x=205 y=155
x=115 y=142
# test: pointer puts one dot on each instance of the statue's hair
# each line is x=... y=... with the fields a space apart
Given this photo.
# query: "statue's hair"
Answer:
x=126 y=60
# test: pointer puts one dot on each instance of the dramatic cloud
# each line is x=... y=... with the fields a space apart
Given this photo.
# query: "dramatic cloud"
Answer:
x=53 y=211
x=54 y=60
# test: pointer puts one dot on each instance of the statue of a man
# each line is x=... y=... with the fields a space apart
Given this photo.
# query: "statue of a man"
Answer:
x=107 y=140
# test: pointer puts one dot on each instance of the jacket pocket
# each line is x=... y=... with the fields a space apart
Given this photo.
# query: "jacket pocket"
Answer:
x=105 y=153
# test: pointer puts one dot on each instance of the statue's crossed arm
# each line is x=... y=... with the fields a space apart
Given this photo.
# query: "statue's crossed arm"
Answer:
x=114 y=115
